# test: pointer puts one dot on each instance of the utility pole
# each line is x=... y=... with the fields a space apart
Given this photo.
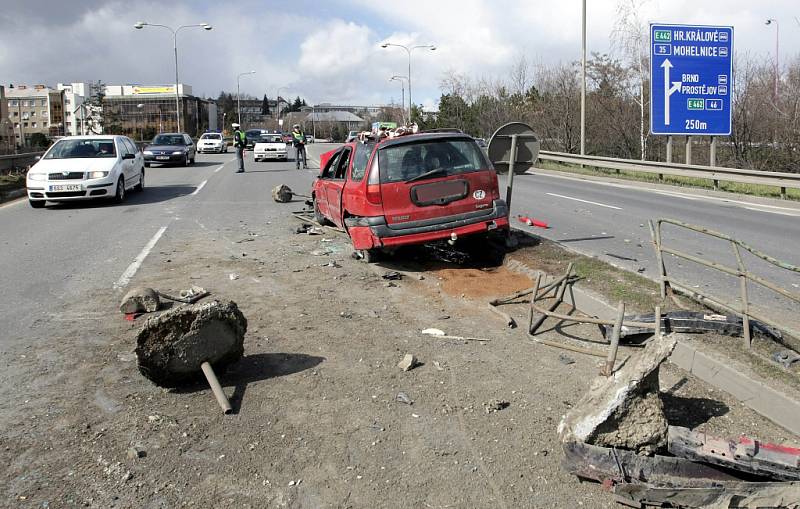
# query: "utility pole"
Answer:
x=583 y=80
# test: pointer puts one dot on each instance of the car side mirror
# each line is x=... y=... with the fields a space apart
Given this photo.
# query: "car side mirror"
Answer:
x=129 y=156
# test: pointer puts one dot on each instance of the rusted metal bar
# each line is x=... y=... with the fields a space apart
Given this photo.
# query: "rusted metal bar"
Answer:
x=608 y=369
x=535 y=324
x=571 y=348
x=756 y=252
x=534 y=294
x=216 y=388
x=655 y=234
x=588 y=319
x=745 y=304
x=733 y=272
x=658 y=323
x=510 y=322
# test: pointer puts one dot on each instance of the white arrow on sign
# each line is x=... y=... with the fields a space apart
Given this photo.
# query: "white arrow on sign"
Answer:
x=668 y=90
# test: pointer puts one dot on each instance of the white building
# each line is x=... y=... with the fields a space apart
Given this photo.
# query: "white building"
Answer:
x=79 y=116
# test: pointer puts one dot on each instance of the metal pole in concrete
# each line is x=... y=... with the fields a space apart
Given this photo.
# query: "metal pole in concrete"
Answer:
x=713 y=158
x=512 y=158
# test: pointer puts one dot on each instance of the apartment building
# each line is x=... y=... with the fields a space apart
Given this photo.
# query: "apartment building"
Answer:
x=6 y=127
x=35 y=109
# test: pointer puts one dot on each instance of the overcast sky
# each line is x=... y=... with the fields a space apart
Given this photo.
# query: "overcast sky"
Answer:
x=330 y=51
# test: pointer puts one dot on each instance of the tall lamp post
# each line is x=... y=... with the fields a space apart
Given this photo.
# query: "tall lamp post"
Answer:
x=409 y=49
x=238 y=101
x=402 y=93
x=777 y=67
x=205 y=26
x=141 y=112
x=583 y=80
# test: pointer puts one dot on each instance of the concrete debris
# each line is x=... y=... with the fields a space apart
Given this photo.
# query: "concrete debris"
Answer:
x=495 y=405
x=438 y=366
x=140 y=300
x=393 y=275
x=408 y=362
x=136 y=453
x=402 y=397
x=624 y=410
x=233 y=276
x=433 y=332
x=565 y=359
x=282 y=193
x=786 y=358
x=171 y=347
x=309 y=229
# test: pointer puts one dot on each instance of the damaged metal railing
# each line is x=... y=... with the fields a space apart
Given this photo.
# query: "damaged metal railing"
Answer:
x=743 y=310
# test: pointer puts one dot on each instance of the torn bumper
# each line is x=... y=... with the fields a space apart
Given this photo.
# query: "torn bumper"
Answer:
x=371 y=232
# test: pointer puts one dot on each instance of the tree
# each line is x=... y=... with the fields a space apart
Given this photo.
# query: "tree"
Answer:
x=39 y=140
x=265 y=106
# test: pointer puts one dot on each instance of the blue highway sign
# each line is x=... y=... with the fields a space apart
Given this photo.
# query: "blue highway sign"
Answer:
x=691 y=70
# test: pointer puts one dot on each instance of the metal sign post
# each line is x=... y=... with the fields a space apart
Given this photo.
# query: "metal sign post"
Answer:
x=513 y=148
x=692 y=78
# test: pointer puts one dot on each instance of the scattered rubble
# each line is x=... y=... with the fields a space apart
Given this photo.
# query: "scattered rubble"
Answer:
x=140 y=300
x=393 y=275
x=495 y=405
x=402 y=397
x=282 y=193
x=408 y=362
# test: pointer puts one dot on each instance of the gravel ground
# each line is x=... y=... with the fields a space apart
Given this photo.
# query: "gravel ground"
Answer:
x=317 y=421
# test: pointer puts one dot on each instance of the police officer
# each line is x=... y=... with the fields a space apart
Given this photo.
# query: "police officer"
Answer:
x=299 y=142
x=239 y=143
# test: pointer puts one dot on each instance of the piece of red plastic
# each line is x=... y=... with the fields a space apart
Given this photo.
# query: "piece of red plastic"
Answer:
x=532 y=222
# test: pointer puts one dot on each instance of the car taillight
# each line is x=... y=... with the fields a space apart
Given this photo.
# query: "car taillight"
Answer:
x=374 y=183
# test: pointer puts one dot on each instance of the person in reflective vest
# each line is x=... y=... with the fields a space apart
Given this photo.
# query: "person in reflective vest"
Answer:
x=299 y=142
x=239 y=143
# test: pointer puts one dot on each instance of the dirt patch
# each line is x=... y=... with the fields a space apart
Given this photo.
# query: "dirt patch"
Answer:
x=481 y=283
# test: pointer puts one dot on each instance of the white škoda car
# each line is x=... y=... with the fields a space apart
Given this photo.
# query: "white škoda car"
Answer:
x=211 y=143
x=271 y=146
x=86 y=167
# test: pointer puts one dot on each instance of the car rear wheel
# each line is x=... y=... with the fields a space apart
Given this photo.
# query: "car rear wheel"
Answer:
x=119 y=196
x=186 y=160
x=37 y=204
x=146 y=165
x=369 y=255
x=192 y=160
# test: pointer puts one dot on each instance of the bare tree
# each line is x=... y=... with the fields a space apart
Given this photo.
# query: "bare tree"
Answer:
x=630 y=37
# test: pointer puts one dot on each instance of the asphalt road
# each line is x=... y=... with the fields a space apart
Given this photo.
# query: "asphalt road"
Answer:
x=608 y=220
x=51 y=255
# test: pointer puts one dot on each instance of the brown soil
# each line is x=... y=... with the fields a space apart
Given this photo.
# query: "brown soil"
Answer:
x=481 y=283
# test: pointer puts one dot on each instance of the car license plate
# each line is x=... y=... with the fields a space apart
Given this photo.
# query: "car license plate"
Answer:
x=66 y=187
x=162 y=158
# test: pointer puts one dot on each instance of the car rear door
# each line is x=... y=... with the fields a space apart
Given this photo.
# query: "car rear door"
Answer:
x=434 y=179
x=335 y=185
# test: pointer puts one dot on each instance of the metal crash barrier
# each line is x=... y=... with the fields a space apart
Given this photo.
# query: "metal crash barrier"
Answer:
x=743 y=310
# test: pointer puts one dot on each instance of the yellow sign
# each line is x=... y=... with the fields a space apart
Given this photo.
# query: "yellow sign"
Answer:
x=154 y=90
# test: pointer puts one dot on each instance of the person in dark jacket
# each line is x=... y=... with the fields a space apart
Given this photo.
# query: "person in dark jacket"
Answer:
x=239 y=143
x=299 y=142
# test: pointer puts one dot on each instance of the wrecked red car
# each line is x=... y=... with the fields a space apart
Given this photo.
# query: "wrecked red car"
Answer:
x=410 y=189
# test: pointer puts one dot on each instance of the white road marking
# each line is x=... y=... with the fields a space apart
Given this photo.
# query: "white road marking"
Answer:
x=745 y=204
x=790 y=214
x=218 y=169
x=202 y=184
x=584 y=201
x=126 y=276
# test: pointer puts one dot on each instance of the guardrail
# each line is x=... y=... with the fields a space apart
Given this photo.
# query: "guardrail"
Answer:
x=781 y=180
x=17 y=161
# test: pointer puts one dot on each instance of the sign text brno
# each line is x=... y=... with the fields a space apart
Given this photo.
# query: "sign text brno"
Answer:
x=691 y=79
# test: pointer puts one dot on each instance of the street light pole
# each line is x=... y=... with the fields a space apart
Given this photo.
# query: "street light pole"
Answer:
x=583 y=81
x=402 y=94
x=408 y=49
x=205 y=26
x=777 y=67
x=238 y=100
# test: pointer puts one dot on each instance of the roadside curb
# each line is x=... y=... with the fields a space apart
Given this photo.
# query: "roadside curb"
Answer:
x=12 y=195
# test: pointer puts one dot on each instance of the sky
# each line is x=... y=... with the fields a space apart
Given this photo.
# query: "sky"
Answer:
x=331 y=51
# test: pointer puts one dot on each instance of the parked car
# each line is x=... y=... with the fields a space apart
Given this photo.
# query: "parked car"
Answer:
x=86 y=167
x=170 y=148
x=310 y=138
x=271 y=146
x=254 y=136
x=409 y=189
x=351 y=136
x=212 y=143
